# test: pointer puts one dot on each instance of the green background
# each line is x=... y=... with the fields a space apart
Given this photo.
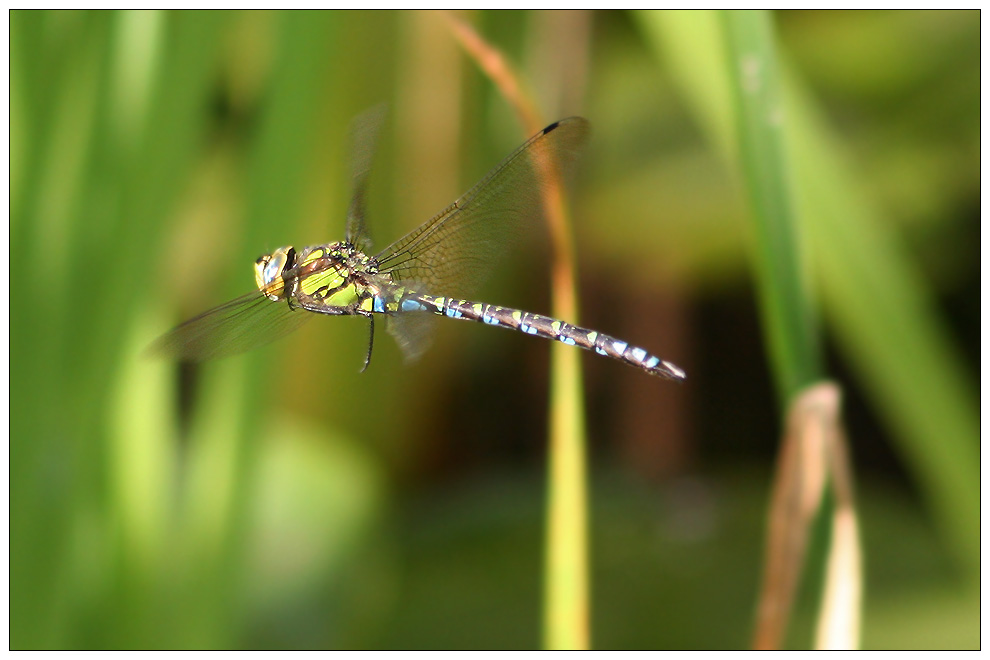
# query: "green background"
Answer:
x=281 y=499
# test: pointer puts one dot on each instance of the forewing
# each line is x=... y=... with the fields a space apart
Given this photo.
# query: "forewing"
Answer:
x=240 y=325
x=364 y=135
x=453 y=252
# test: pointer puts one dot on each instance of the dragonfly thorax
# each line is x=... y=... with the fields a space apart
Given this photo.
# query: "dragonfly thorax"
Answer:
x=332 y=275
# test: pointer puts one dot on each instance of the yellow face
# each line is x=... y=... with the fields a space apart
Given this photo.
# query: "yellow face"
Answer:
x=268 y=271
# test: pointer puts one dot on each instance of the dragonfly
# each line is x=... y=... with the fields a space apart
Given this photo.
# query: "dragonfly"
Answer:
x=427 y=274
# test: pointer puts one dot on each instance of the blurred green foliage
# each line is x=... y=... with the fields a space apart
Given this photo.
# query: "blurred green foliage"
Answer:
x=281 y=499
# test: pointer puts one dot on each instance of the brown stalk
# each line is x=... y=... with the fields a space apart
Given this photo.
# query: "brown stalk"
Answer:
x=813 y=456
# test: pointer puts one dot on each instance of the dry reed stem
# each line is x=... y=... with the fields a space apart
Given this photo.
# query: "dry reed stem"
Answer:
x=812 y=457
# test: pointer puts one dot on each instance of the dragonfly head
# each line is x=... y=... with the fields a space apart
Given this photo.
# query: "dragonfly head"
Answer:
x=269 y=270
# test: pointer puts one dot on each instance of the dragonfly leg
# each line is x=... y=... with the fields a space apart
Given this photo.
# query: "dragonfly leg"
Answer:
x=371 y=342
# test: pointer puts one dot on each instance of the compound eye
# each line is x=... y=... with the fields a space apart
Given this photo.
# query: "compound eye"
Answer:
x=269 y=270
x=273 y=268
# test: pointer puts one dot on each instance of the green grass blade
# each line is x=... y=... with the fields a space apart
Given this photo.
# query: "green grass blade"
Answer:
x=566 y=600
x=780 y=274
x=788 y=323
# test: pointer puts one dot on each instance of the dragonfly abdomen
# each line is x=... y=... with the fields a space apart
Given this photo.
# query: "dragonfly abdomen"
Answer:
x=543 y=326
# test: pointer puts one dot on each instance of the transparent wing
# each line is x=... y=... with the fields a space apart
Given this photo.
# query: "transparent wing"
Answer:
x=453 y=253
x=364 y=135
x=413 y=332
x=239 y=325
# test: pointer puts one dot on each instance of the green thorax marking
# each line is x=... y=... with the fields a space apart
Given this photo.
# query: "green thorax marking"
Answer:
x=338 y=275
